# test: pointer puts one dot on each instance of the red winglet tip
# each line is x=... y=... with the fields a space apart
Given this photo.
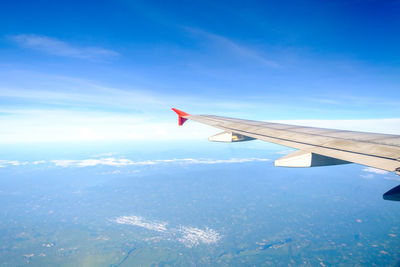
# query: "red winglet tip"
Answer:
x=181 y=119
x=180 y=112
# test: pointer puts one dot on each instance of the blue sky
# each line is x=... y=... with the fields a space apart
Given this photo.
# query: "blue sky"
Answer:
x=111 y=70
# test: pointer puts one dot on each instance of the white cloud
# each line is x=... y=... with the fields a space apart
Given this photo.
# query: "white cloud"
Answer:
x=39 y=162
x=5 y=163
x=121 y=162
x=219 y=161
x=189 y=236
x=94 y=162
x=57 y=47
x=375 y=171
x=127 y=162
x=192 y=236
x=142 y=222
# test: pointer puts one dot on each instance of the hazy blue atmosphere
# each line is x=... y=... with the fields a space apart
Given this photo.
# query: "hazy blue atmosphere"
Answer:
x=190 y=204
x=95 y=171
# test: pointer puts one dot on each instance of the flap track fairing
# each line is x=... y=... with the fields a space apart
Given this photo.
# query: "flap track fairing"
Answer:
x=304 y=159
x=228 y=137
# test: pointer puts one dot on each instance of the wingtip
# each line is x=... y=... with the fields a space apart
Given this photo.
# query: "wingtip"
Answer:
x=181 y=116
x=180 y=112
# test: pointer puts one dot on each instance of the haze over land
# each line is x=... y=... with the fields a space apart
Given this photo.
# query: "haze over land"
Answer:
x=231 y=209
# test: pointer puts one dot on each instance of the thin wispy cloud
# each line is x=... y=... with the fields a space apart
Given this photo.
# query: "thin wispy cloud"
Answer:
x=61 y=90
x=233 y=47
x=63 y=108
x=56 y=47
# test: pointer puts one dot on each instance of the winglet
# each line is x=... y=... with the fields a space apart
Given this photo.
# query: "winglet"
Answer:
x=182 y=116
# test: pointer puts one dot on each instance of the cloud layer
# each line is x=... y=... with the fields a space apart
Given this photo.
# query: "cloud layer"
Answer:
x=127 y=162
x=116 y=162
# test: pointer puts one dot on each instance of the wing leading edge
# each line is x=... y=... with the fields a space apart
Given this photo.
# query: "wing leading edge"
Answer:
x=316 y=146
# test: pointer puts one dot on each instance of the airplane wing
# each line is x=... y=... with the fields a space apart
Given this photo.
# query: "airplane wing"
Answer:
x=315 y=146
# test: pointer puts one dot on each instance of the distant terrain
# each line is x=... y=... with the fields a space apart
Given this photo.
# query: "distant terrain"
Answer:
x=156 y=207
